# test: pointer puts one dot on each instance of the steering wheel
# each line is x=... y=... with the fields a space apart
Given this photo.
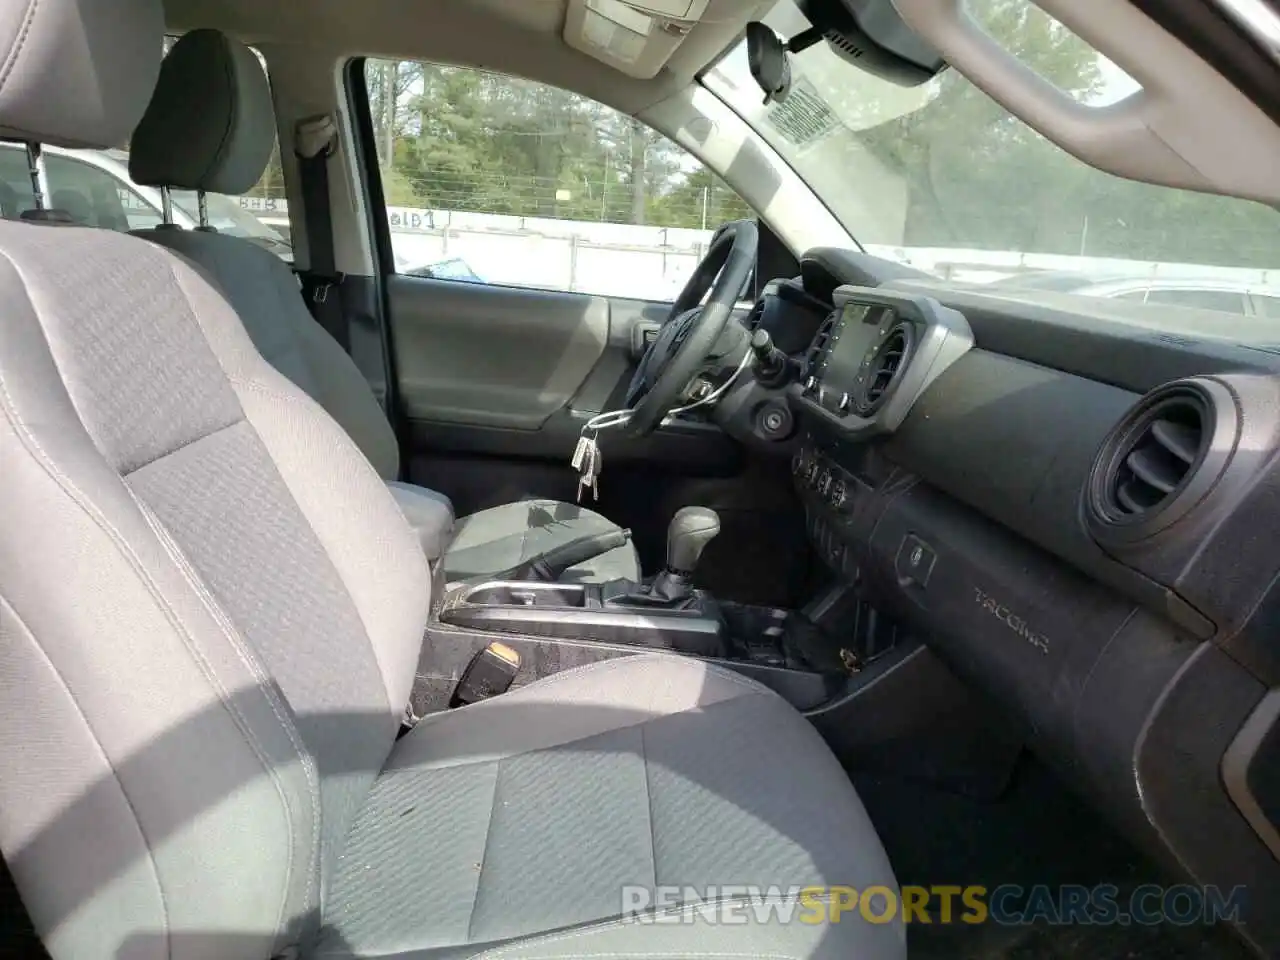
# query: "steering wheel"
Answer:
x=690 y=331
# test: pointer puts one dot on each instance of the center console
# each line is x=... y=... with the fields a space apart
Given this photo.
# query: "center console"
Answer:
x=557 y=625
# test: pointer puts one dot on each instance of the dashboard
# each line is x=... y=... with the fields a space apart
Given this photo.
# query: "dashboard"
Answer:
x=1079 y=513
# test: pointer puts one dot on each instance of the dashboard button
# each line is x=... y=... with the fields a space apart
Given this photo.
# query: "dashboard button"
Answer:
x=915 y=560
x=838 y=494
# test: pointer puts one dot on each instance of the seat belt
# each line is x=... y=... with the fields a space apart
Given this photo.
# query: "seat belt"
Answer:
x=315 y=142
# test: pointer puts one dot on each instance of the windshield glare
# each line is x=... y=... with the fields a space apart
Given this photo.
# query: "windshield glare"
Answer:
x=943 y=178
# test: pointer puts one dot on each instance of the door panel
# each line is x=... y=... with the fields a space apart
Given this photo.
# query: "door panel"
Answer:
x=510 y=372
x=492 y=356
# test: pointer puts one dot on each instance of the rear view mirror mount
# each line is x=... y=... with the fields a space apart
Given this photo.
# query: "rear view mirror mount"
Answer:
x=868 y=33
x=872 y=35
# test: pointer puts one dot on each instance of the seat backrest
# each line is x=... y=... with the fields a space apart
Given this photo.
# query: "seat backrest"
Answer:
x=210 y=126
x=211 y=608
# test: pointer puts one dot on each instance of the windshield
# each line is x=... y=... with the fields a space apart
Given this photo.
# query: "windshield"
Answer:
x=943 y=178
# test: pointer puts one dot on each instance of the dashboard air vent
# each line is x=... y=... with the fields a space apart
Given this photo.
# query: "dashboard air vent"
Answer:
x=1161 y=459
x=886 y=365
x=818 y=347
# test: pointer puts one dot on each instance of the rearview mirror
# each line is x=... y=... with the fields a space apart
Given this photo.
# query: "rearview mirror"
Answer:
x=767 y=58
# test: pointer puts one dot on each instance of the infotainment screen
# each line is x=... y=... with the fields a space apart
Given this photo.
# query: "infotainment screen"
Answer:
x=854 y=332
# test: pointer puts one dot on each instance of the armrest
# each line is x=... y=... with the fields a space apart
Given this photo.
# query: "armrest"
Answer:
x=430 y=514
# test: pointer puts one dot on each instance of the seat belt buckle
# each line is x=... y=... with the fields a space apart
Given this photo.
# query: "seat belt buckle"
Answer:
x=490 y=672
x=320 y=292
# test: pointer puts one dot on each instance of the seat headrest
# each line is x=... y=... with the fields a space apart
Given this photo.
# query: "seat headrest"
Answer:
x=210 y=125
x=77 y=73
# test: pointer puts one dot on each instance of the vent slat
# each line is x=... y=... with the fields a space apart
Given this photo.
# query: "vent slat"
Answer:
x=819 y=343
x=1150 y=471
x=1178 y=438
x=884 y=368
x=1127 y=501
x=1162 y=449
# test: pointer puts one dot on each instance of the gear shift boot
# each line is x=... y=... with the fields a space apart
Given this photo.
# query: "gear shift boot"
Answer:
x=691 y=529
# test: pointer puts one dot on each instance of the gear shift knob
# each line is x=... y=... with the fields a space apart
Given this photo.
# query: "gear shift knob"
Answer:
x=692 y=528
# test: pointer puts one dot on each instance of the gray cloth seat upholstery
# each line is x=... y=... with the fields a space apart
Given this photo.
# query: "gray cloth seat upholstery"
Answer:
x=513 y=828
x=210 y=126
x=211 y=612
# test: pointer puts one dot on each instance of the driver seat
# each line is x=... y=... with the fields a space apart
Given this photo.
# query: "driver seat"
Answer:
x=210 y=126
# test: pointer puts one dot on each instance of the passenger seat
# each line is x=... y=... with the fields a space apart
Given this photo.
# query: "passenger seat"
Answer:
x=210 y=126
x=211 y=613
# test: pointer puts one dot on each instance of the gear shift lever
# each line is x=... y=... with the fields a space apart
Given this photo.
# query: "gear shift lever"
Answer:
x=691 y=529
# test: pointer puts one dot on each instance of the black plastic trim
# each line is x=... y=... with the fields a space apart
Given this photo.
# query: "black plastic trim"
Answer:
x=1075 y=335
x=1251 y=771
x=939 y=337
x=366 y=164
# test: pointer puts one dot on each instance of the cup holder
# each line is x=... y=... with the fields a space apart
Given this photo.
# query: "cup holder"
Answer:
x=575 y=611
x=525 y=594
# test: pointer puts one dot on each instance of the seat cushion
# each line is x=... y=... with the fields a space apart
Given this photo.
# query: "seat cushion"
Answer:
x=501 y=537
x=430 y=514
x=511 y=828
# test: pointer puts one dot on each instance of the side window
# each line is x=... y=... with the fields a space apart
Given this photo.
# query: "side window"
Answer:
x=95 y=194
x=495 y=179
x=1224 y=301
x=15 y=181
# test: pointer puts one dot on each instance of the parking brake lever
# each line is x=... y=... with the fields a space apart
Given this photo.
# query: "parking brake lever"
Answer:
x=549 y=567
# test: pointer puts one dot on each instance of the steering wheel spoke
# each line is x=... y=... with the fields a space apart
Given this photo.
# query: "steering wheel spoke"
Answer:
x=693 y=328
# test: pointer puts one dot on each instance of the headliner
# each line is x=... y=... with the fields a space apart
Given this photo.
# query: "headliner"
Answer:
x=522 y=37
